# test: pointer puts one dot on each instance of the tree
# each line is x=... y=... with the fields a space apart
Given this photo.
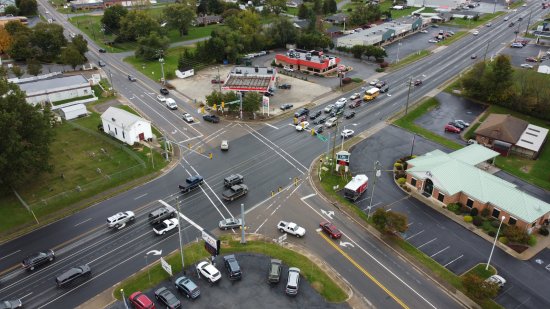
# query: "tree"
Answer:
x=20 y=47
x=136 y=24
x=27 y=7
x=71 y=56
x=329 y=6
x=275 y=6
x=48 y=39
x=365 y=13
x=112 y=16
x=478 y=289
x=17 y=71
x=152 y=46
x=473 y=81
x=16 y=27
x=389 y=221
x=202 y=8
x=5 y=40
x=499 y=80
x=80 y=43
x=179 y=16
x=318 y=7
x=303 y=11
x=252 y=102
x=215 y=7
x=281 y=32
x=11 y=9
x=358 y=50
x=34 y=67
x=26 y=135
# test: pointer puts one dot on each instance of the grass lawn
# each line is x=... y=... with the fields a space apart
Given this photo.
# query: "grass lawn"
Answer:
x=407 y=122
x=81 y=163
x=469 y=23
x=409 y=59
x=479 y=270
x=195 y=252
x=292 y=11
x=152 y=68
x=448 y=41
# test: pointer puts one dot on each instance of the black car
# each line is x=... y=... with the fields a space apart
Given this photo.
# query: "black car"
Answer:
x=274 y=271
x=320 y=120
x=102 y=50
x=73 y=274
x=301 y=112
x=349 y=115
x=285 y=86
x=318 y=129
x=164 y=91
x=187 y=287
x=211 y=118
x=232 y=266
x=269 y=94
x=38 y=259
x=286 y=106
x=131 y=78
x=168 y=298
x=315 y=115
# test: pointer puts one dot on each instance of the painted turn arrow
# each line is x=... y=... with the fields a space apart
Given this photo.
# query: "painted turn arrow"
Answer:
x=328 y=213
x=345 y=244
x=155 y=252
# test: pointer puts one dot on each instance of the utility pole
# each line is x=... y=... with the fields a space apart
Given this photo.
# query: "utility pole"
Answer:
x=528 y=22
x=111 y=80
x=179 y=234
x=408 y=96
x=486 y=50
x=332 y=166
x=219 y=79
x=161 y=60
x=495 y=7
x=241 y=102
x=243 y=239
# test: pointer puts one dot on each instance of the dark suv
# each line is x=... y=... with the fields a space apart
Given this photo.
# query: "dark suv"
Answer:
x=232 y=180
x=73 y=274
x=232 y=266
x=161 y=214
x=187 y=287
x=274 y=271
x=38 y=259
x=301 y=112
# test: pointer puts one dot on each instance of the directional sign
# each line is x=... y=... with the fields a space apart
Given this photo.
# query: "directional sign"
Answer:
x=211 y=244
x=328 y=213
x=166 y=266
x=321 y=137
x=345 y=244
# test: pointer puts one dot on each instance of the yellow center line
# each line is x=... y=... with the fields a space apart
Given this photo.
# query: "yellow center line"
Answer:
x=371 y=277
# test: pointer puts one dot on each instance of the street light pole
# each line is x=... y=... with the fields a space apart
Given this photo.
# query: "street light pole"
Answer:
x=398 y=44
x=377 y=174
x=408 y=96
x=343 y=138
x=494 y=243
x=179 y=234
x=161 y=60
x=219 y=79
x=495 y=7
x=528 y=22
x=123 y=298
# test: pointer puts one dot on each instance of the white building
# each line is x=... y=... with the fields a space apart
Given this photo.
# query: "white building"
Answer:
x=56 y=89
x=73 y=111
x=439 y=4
x=126 y=126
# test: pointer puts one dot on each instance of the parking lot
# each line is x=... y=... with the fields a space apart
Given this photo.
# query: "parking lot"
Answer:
x=253 y=291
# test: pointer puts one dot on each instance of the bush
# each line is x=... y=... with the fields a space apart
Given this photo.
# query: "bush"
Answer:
x=474 y=212
x=273 y=64
x=357 y=80
x=465 y=209
x=478 y=221
x=492 y=233
x=398 y=166
x=516 y=234
x=495 y=223
x=379 y=60
x=453 y=207
x=532 y=240
x=401 y=181
x=379 y=70
x=346 y=80
x=503 y=239
x=485 y=212
x=384 y=64
x=544 y=231
x=468 y=219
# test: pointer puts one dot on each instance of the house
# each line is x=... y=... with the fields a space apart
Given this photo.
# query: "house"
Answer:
x=337 y=19
x=510 y=135
x=208 y=19
x=73 y=111
x=544 y=68
x=126 y=126
x=455 y=178
x=56 y=89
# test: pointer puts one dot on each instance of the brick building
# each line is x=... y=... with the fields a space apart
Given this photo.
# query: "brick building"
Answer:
x=456 y=178
x=311 y=61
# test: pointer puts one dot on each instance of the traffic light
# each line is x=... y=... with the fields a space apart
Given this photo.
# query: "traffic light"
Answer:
x=210 y=156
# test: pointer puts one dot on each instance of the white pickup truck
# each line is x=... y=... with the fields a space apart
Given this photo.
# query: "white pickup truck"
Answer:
x=165 y=226
x=291 y=228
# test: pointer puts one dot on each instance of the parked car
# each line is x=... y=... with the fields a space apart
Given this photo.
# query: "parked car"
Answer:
x=224 y=145
x=347 y=133
x=167 y=298
x=457 y=125
x=286 y=106
x=11 y=304
x=424 y=31
x=187 y=287
x=188 y=118
x=526 y=66
x=450 y=128
x=232 y=266
x=531 y=59
x=74 y=274
x=349 y=115
x=208 y=271
x=285 y=86
x=131 y=78
x=331 y=230
x=497 y=280
x=164 y=91
x=274 y=271
x=211 y=118
x=471 y=142
x=37 y=259
x=516 y=45
x=432 y=41
x=288 y=69
x=462 y=122
x=269 y=93
x=293 y=282
x=230 y=223
x=141 y=301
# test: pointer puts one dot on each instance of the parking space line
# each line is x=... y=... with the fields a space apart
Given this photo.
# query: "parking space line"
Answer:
x=458 y=258
x=425 y=243
x=414 y=235
x=438 y=252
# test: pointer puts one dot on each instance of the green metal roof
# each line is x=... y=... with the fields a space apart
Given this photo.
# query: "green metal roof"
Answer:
x=451 y=174
x=474 y=154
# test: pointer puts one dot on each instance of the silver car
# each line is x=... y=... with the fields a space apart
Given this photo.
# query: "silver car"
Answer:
x=230 y=223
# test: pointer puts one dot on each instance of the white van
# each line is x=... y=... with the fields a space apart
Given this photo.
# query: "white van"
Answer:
x=171 y=104
x=331 y=122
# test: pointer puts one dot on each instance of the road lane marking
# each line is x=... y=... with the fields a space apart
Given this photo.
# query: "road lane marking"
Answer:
x=458 y=258
x=26 y=295
x=5 y=256
x=414 y=235
x=274 y=127
x=203 y=191
x=138 y=197
x=365 y=272
x=308 y=196
x=82 y=222
x=422 y=245
x=438 y=252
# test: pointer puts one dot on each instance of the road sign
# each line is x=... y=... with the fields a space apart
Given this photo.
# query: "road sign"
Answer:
x=166 y=266
x=211 y=244
x=281 y=238
x=321 y=137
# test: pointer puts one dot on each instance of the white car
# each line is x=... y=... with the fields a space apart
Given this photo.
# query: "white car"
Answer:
x=475 y=32
x=304 y=125
x=432 y=41
x=488 y=24
x=347 y=133
x=165 y=226
x=120 y=219
x=224 y=145
x=341 y=102
x=424 y=31
x=496 y=279
x=462 y=122
x=354 y=96
x=329 y=107
x=188 y=118
x=161 y=98
x=288 y=69
x=506 y=18
x=209 y=271
x=374 y=82
x=526 y=66
x=171 y=103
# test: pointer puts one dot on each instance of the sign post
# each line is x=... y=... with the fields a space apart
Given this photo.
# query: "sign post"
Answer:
x=167 y=267
x=342 y=159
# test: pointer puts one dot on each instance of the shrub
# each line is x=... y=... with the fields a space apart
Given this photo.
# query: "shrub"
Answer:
x=492 y=233
x=273 y=64
x=357 y=80
x=503 y=239
x=474 y=212
x=495 y=223
x=532 y=240
x=398 y=166
x=401 y=181
x=468 y=219
x=379 y=60
x=516 y=234
x=478 y=221
x=544 y=231
x=384 y=64
x=346 y=80
x=485 y=212
x=453 y=207
x=379 y=70
x=464 y=209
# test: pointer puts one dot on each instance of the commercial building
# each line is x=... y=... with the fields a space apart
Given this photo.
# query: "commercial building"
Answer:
x=510 y=135
x=258 y=79
x=456 y=178
x=126 y=126
x=383 y=33
x=439 y=4
x=311 y=61
x=56 y=89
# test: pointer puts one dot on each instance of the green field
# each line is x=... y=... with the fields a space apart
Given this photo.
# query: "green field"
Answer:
x=152 y=69
x=410 y=59
x=85 y=163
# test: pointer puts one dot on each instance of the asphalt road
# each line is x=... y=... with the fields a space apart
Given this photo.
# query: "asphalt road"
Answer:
x=270 y=156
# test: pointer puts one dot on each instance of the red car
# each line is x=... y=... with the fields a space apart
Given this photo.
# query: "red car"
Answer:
x=530 y=59
x=450 y=128
x=331 y=230
x=217 y=81
x=141 y=301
